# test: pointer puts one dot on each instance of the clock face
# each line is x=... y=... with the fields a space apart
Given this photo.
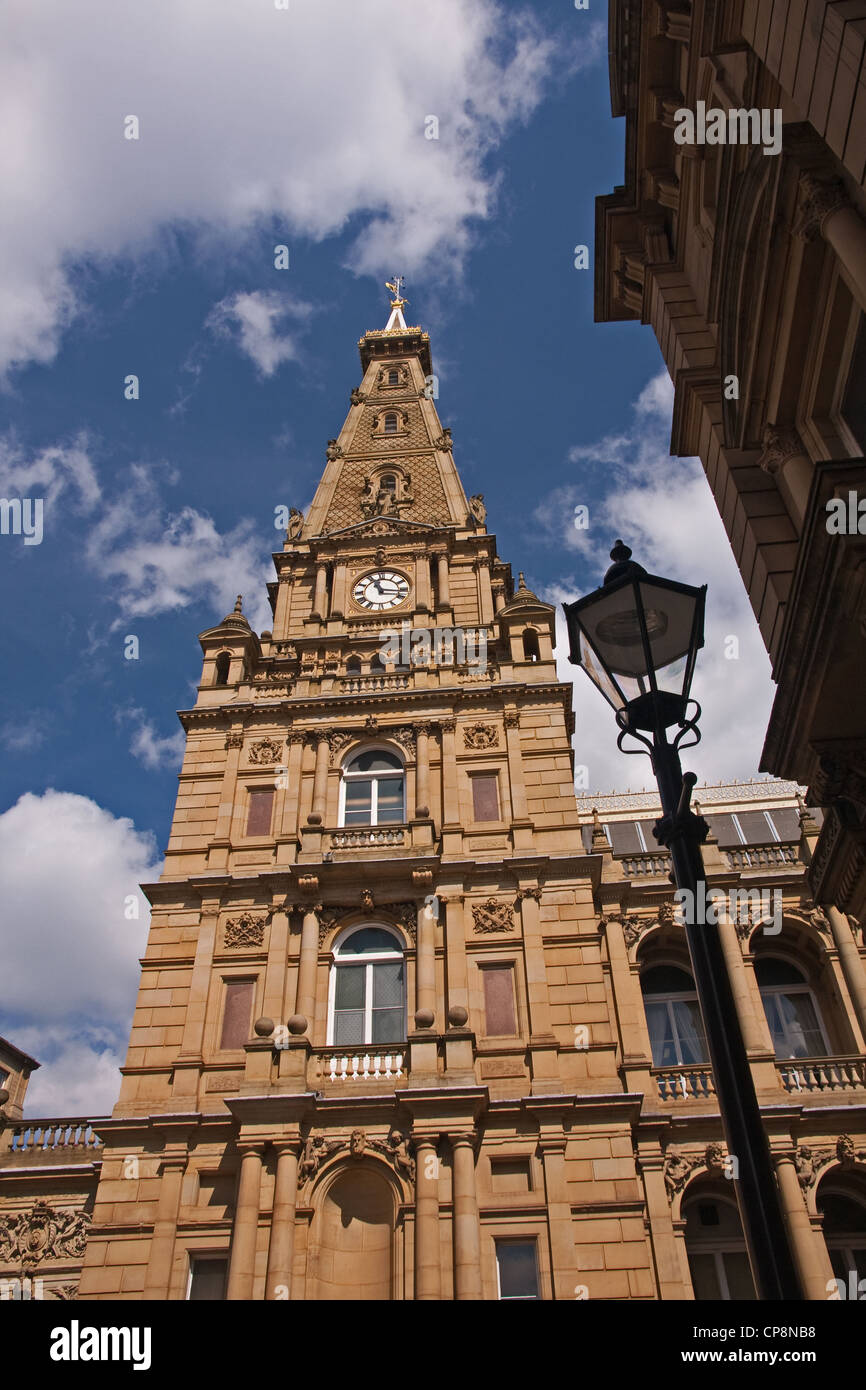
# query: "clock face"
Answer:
x=380 y=590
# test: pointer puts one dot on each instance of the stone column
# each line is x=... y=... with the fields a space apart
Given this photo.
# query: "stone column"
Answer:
x=320 y=781
x=485 y=592
x=785 y=459
x=320 y=600
x=305 y=998
x=515 y=767
x=422 y=770
x=338 y=592
x=444 y=583
x=457 y=982
x=810 y=1253
x=425 y=962
x=753 y=1025
x=242 y=1262
x=428 y=1260
x=826 y=212
x=157 y=1280
x=422 y=581
x=190 y=1056
x=291 y=800
x=273 y=1004
x=450 y=797
x=282 y=1242
x=223 y=827
x=499 y=598
x=467 y=1229
x=851 y=963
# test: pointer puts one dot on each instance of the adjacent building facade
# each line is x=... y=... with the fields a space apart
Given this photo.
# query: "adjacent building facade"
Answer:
x=413 y=1023
x=744 y=247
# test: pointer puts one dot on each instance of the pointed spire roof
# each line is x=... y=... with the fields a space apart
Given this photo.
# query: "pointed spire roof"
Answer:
x=236 y=617
x=524 y=598
x=396 y=321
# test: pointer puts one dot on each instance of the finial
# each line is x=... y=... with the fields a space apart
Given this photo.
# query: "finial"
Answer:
x=395 y=285
x=620 y=552
x=239 y=604
x=521 y=582
x=623 y=564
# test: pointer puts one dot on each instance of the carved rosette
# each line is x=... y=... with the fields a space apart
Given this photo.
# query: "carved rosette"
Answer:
x=247 y=930
x=492 y=916
x=480 y=736
x=265 y=752
x=43 y=1233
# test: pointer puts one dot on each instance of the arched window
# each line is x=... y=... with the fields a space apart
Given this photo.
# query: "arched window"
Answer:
x=791 y=1009
x=530 y=645
x=390 y=426
x=388 y=483
x=353 y=666
x=377 y=665
x=673 y=1017
x=844 y=1224
x=223 y=662
x=368 y=989
x=393 y=377
x=718 y=1262
x=372 y=789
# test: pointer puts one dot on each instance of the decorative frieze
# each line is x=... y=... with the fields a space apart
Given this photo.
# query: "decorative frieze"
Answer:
x=480 y=736
x=395 y=1149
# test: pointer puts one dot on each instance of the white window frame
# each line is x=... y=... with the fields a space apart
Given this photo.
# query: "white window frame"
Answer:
x=370 y=776
x=368 y=958
x=681 y=996
x=718 y=1248
x=517 y=1297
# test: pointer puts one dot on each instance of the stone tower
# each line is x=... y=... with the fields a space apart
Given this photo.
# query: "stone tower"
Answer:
x=370 y=889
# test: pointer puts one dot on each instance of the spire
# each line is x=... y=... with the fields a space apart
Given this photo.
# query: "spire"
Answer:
x=396 y=320
x=236 y=617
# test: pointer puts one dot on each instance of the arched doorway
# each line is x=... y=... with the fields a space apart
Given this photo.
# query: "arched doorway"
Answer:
x=353 y=1236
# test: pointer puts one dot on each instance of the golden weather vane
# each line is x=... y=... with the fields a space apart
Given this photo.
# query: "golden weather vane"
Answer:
x=396 y=288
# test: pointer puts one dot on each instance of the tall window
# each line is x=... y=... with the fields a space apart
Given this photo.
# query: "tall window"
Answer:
x=500 y=1017
x=353 y=666
x=393 y=378
x=791 y=1009
x=485 y=796
x=673 y=1018
x=388 y=483
x=716 y=1249
x=390 y=426
x=372 y=789
x=223 y=662
x=237 y=1013
x=207 y=1277
x=368 y=990
x=517 y=1269
x=530 y=645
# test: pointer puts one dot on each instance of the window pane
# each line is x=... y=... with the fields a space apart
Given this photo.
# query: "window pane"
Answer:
x=661 y=1035
x=390 y=799
x=261 y=801
x=367 y=940
x=705 y=1279
x=499 y=1001
x=208 y=1279
x=388 y=985
x=349 y=1028
x=374 y=761
x=787 y=823
x=690 y=1031
x=625 y=838
x=485 y=799
x=738 y=1274
x=359 y=802
x=389 y=1026
x=802 y=1034
x=755 y=828
x=722 y=826
x=349 y=990
x=236 y=1013
x=518 y=1269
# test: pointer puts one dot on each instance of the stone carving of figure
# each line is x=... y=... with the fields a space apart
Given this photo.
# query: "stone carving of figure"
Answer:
x=714 y=1157
x=676 y=1170
x=386 y=504
x=805 y=1165
x=398 y=1147
x=477 y=508
x=357 y=1143
x=333 y=451
x=296 y=523
x=316 y=1148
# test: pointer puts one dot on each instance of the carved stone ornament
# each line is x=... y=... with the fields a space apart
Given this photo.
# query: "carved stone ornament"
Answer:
x=337 y=741
x=396 y=1149
x=333 y=451
x=234 y=740
x=371 y=726
x=404 y=913
x=512 y=721
x=529 y=893
x=358 y=396
x=266 y=752
x=296 y=524
x=444 y=441
x=477 y=509
x=715 y=1158
x=405 y=736
x=271 y=692
x=493 y=916
x=780 y=444
x=245 y=930
x=677 y=1169
x=42 y=1233
x=368 y=903
x=481 y=736
x=821 y=199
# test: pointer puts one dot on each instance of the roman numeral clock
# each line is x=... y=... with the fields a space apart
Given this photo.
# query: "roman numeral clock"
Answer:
x=380 y=590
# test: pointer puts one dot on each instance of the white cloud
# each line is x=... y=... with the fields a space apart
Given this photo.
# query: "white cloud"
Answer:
x=255 y=318
x=664 y=509
x=67 y=869
x=159 y=561
x=154 y=750
x=61 y=473
x=312 y=116
x=79 y=1072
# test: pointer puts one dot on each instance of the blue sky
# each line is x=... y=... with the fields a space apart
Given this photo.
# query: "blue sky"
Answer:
x=156 y=257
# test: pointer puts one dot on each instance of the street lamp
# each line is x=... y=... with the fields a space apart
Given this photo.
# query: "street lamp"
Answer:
x=637 y=637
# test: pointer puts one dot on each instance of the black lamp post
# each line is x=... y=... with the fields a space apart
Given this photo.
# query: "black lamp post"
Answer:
x=637 y=638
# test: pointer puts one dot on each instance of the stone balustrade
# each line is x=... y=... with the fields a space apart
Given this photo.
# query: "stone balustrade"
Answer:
x=362 y=837
x=63 y=1140
x=823 y=1073
x=685 y=1083
x=772 y=856
x=358 y=1064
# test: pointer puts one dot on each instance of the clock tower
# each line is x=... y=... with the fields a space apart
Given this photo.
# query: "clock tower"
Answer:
x=373 y=997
